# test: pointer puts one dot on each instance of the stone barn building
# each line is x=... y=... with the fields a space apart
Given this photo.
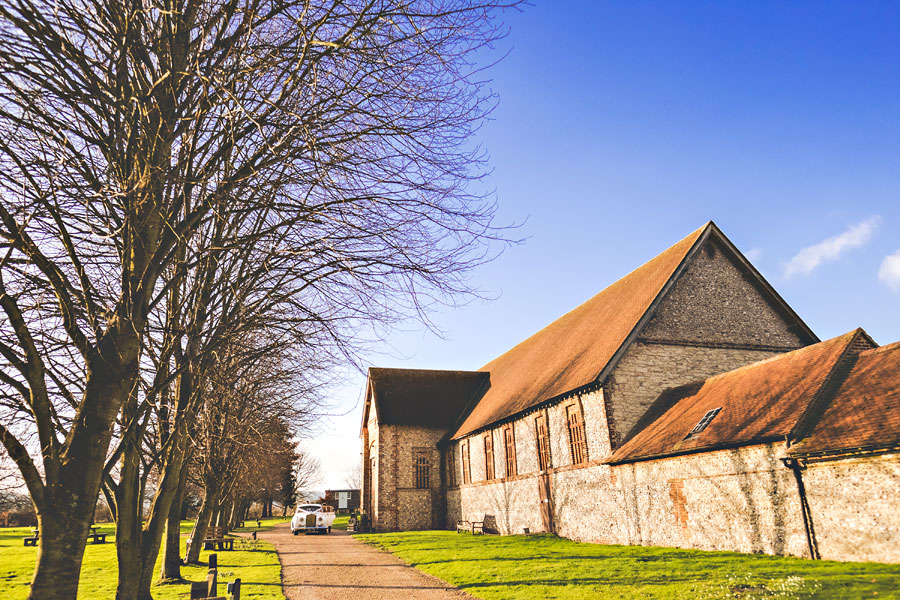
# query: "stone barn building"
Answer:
x=685 y=405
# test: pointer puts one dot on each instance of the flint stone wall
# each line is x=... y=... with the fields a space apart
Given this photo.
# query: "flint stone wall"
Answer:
x=854 y=507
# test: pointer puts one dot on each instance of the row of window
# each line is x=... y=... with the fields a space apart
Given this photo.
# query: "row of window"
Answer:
x=577 y=446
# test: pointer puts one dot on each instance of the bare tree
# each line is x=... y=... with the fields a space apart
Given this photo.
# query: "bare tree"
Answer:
x=307 y=470
x=303 y=470
x=244 y=435
x=127 y=127
x=353 y=480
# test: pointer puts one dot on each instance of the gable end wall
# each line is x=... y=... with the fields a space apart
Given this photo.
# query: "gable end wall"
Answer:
x=713 y=320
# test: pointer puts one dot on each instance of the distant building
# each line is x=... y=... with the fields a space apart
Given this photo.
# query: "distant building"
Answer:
x=342 y=500
x=685 y=405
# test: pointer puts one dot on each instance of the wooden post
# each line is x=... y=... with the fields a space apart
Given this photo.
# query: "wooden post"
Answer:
x=235 y=589
x=212 y=575
x=198 y=590
x=211 y=584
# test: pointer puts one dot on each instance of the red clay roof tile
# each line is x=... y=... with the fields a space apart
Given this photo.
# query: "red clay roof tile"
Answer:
x=865 y=410
x=572 y=351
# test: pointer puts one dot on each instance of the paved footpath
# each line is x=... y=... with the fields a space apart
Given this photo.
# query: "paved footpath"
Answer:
x=338 y=567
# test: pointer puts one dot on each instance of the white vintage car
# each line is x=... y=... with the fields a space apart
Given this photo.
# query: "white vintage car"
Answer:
x=312 y=517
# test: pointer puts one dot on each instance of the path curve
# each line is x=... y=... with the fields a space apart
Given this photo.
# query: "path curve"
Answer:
x=338 y=567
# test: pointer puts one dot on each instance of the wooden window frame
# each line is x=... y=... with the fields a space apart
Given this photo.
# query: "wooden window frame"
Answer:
x=509 y=447
x=466 y=463
x=488 y=440
x=422 y=469
x=542 y=436
x=578 y=450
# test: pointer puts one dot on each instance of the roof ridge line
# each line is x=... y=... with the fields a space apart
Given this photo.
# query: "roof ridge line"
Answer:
x=828 y=390
x=677 y=272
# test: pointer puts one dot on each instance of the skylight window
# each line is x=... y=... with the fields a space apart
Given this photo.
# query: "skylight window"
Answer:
x=704 y=422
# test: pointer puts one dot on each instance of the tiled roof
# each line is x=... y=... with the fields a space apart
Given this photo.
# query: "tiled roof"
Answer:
x=865 y=410
x=760 y=402
x=572 y=351
x=422 y=397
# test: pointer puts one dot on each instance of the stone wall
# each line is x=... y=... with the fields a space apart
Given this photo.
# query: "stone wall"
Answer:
x=714 y=301
x=712 y=320
x=853 y=503
x=647 y=369
x=742 y=500
x=397 y=503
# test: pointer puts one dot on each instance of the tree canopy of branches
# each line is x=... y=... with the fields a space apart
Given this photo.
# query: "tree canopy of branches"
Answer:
x=142 y=139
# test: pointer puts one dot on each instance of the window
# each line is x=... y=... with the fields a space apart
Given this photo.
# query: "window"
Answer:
x=422 y=462
x=509 y=444
x=704 y=422
x=488 y=456
x=543 y=442
x=451 y=469
x=577 y=443
x=466 y=470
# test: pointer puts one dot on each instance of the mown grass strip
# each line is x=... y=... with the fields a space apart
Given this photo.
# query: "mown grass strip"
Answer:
x=547 y=567
x=254 y=561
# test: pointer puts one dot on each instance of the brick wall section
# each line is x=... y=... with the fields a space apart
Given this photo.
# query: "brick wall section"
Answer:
x=397 y=504
x=853 y=503
x=647 y=369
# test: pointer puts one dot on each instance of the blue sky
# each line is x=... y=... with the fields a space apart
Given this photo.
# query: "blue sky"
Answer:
x=624 y=126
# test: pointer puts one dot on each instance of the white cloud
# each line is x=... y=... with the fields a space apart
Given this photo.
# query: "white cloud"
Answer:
x=809 y=258
x=889 y=273
x=753 y=254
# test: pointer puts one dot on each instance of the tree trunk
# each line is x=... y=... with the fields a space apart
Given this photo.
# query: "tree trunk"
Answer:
x=200 y=527
x=224 y=514
x=171 y=564
x=138 y=541
x=157 y=517
x=60 y=552
x=66 y=511
x=129 y=512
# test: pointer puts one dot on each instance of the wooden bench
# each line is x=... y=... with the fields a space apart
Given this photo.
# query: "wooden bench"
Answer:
x=32 y=540
x=216 y=537
x=472 y=526
x=95 y=536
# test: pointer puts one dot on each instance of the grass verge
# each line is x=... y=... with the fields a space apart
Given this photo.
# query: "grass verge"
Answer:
x=254 y=561
x=547 y=567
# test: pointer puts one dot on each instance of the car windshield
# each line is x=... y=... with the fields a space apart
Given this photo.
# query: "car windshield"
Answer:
x=309 y=507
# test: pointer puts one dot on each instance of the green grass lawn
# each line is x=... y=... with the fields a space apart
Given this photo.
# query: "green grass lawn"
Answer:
x=255 y=562
x=266 y=524
x=545 y=567
x=340 y=522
